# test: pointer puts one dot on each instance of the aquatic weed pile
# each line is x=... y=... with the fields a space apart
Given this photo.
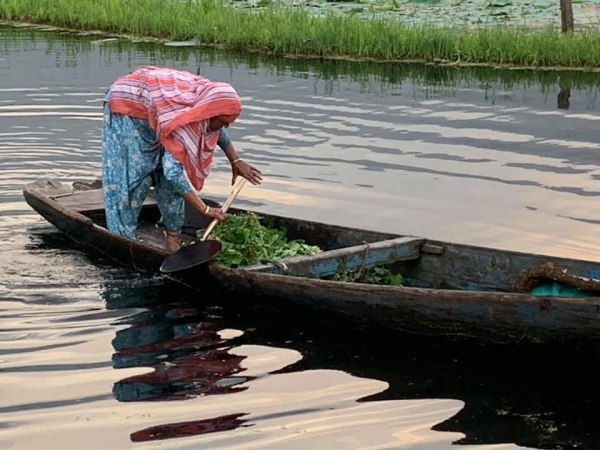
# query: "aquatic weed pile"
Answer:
x=246 y=242
x=285 y=30
x=371 y=275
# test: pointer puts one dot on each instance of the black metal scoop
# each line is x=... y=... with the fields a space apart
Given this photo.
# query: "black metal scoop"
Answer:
x=202 y=251
x=193 y=255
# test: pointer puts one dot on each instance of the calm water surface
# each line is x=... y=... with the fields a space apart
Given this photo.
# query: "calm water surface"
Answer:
x=93 y=356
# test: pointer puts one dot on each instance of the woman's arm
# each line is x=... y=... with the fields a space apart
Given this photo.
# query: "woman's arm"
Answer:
x=227 y=146
x=238 y=166
x=174 y=172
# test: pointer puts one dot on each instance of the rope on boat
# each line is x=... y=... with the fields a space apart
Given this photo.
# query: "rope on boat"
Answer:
x=280 y=265
x=364 y=262
x=548 y=272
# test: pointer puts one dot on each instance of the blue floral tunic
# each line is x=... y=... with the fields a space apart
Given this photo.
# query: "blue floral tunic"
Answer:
x=130 y=166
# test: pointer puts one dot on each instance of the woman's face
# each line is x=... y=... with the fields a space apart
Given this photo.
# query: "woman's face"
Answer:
x=216 y=123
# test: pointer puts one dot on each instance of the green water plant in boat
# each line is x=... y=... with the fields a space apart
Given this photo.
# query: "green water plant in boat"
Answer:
x=371 y=275
x=246 y=242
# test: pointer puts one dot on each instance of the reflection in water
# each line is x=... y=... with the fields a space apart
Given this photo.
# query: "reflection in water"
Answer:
x=564 y=96
x=326 y=78
x=270 y=402
x=276 y=369
x=200 y=373
x=189 y=359
x=192 y=428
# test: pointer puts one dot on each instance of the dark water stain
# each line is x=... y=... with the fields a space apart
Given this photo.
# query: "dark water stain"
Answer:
x=55 y=367
x=579 y=219
x=50 y=405
x=543 y=168
x=190 y=428
x=454 y=158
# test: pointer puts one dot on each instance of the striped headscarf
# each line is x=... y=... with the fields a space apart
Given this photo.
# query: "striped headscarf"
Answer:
x=178 y=106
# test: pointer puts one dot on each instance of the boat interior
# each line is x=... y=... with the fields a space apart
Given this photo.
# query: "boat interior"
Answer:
x=421 y=262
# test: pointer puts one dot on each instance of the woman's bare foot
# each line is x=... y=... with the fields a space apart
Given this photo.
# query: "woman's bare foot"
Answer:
x=171 y=241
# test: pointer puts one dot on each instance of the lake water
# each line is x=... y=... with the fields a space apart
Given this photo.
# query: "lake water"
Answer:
x=95 y=356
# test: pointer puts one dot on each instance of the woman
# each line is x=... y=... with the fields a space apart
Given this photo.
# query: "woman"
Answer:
x=160 y=129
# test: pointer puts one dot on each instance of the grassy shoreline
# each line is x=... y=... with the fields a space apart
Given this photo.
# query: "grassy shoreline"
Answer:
x=282 y=31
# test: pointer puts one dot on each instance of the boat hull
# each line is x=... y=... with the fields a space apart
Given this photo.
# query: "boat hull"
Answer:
x=480 y=313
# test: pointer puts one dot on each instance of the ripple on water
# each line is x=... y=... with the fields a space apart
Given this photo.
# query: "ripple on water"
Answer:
x=91 y=355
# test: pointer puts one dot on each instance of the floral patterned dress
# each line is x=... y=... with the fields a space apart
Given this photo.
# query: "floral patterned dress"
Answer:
x=131 y=164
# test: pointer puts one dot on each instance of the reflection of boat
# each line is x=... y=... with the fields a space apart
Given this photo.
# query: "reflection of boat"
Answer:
x=505 y=398
x=462 y=292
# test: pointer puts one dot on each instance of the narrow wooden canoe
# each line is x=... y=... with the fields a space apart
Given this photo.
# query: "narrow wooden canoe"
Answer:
x=459 y=292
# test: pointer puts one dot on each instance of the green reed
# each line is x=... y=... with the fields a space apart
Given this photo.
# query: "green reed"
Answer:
x=286 y=31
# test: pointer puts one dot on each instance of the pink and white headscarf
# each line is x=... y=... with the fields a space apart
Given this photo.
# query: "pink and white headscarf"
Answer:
x=178 y=106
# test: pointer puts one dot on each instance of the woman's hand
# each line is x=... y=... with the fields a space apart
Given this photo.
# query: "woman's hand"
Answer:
x=216 y=213
x=242 y=169
x=201 y=207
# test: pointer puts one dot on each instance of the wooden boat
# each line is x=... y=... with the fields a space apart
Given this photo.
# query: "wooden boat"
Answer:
x=462 y=293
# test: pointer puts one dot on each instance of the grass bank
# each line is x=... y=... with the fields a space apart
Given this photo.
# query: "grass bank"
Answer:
x=284 y=31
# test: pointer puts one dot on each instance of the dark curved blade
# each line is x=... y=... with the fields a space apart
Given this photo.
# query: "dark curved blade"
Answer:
x=190 y=256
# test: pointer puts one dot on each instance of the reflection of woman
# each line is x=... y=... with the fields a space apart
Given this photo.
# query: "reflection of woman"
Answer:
x=198 y=360
x=160 y=129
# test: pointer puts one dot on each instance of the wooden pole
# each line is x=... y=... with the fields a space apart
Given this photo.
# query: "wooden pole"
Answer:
x=566 y=15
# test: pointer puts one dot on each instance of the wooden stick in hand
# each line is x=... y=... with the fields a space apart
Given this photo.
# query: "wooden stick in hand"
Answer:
x=236 y=190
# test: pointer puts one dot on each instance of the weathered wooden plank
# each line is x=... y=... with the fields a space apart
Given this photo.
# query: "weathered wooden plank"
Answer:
x=483 y=317
x=89 y=201
x=50 y=188
x=481 y=269
x=348 y=258
x=83 y=230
